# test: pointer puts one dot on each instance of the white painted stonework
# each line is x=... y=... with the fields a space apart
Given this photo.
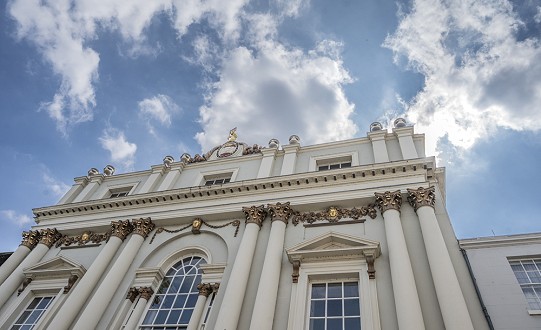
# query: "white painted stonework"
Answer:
x=103 y=275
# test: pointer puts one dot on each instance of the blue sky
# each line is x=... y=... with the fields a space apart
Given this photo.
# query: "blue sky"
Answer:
x=89 y=83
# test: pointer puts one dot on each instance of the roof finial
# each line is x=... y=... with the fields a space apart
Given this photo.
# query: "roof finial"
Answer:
x=232 y=134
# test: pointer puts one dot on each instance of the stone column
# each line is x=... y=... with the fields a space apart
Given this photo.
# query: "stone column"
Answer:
x=146 y=293
x=30 y=240
x=205 y=289
x=47 y=238
x=452 y=304
x=104 y=293
x=265 y=301
x=228 y=317
x=408 y=307
x=79 y=295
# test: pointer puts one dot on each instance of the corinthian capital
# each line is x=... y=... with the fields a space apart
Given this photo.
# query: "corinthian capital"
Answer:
x=205 y=289
x=280 y=211
x=121 y=229
x=255 y=214
x=146 y=292
x=30 y=239
x=142 y=226
x=389 y=200
x=421 y=197
x=49 y=236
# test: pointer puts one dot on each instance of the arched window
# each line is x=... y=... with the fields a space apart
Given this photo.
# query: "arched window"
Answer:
x=175 y=300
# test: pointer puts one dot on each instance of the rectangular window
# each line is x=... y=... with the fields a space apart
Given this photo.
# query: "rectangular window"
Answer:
x=528 y=274
x=334 y=163
x=217 y=179
x=334 y=306
x=120 y=192
x=31 y=315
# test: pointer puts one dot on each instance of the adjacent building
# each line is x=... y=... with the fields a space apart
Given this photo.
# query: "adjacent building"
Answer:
x=342 y=235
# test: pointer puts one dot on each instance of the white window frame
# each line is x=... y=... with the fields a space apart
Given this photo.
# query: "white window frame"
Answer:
x=333 y=158
x=535 y=259
x=333 y=270
x=130 y=188
x=230 y=172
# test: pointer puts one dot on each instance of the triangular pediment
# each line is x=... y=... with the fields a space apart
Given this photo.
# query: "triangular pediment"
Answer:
x=57 y=266
x=334 y=245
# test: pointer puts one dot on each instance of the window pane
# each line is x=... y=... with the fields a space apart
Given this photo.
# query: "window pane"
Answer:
x=335 y=290
x=181 y=299
x=317 y=308
x=317 y=324
x=174 y=316
x=351 y=307
x=529 y=265
x=334 y=307
x=318 y=290
x=334 y=324
x=353 y=323
x=351 y=289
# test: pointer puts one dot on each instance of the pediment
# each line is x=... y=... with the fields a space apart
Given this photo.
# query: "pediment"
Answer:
x=56 y=267
x=334 y=245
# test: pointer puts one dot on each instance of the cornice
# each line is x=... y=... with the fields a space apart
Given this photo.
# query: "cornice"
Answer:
x=499 y=241
x=364 y=173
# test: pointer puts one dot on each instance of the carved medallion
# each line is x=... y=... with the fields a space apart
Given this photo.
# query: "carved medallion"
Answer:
x=142 y=226
x=49 y=236
x=30 y=238
x=196 y=226
x=421 y=197
x=121 y=229
x=389 y=200
x=255 y=214
x=332 y=213
x=280 y=211
x=227 y=149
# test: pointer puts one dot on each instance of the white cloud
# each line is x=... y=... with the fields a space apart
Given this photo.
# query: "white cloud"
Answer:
x=19 y=219
x=62 y=29
x=56 y=187
x=159 y=107
x=121 y=150
x=478 y=75
x=277 y=91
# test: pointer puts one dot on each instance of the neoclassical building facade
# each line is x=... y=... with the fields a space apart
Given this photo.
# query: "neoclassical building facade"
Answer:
x=343 y=235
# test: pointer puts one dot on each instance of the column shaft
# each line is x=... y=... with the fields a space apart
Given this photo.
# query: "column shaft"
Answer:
x=13 y=261
x=408 y=308
x=104 y=293
x=452 y=304
x=136 y=314
x=79 y=295
x=197 y=312
x=265 y=301
x=16 y=277
x=228 y=316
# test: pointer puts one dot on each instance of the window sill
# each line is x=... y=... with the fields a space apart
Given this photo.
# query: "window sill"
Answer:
x=534 y=311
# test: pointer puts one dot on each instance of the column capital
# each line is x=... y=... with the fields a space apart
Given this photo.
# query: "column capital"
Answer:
x=255 y=214
x=280 y=211
x=132 y=294
x=389 y=200
x=121 y=229
x=146 y=292
x=30 y=238
x=142 y=226
x=205 y=289
x=421 y=197
x=49 y=236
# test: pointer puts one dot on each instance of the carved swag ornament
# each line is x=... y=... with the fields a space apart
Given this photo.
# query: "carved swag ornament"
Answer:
x=83 y=239
x=334 y=214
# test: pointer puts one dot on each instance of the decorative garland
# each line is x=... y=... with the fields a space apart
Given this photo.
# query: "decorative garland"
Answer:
x=196 y=225
x=334 y=214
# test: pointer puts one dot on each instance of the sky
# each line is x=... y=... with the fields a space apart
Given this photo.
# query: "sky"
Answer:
x=94 y=82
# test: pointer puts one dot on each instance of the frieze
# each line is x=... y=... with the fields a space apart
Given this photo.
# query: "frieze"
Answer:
x=49 y=236
x=30 y=238
x=142 y=226
x=280 y=211
x=83 y=239
x=389 y=200
x=255 y=214
x=421 y=197
x=334 y=214
x=121 y=229
x=196 y=228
